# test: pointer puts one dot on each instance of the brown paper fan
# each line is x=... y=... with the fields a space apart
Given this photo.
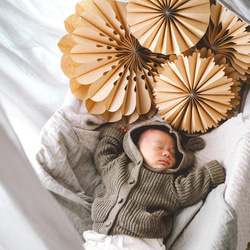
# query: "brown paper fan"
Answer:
x=193 y=93
x=230 y=72
x=228 y=36
x=168 y=27
x=108 y=67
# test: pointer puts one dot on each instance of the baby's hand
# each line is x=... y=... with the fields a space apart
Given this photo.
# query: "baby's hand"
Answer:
x=122 y=129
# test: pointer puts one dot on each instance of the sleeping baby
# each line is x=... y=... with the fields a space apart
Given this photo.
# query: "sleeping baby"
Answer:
x=143 y=172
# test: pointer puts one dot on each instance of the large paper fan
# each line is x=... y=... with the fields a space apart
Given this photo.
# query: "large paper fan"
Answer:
x=168 y=26
x=228 y=35
x=108 y=67
x=193 y=94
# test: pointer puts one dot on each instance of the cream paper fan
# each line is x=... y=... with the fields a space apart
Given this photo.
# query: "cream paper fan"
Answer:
x=167 y=26
x=193 y=94
x=230 y=72
x=108 y=67
x=228 y=35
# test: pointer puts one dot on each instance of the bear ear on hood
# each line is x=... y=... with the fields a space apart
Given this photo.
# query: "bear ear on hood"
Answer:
x=193 y=143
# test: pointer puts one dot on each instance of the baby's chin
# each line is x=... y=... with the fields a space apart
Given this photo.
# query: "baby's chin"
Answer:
x=161 y=166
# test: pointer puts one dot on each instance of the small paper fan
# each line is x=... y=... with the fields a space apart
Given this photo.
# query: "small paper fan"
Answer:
x=228 y=35
x=168 y=27
x=193 y=94
x=117 y=72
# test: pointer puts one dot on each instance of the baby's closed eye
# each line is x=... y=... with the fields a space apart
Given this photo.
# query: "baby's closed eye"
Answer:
x=173 y=152
x=157 y=146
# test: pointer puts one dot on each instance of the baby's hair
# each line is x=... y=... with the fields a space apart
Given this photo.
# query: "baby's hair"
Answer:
x=146 y=128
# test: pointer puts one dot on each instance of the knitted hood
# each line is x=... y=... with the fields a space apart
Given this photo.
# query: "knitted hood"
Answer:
x=185 y=158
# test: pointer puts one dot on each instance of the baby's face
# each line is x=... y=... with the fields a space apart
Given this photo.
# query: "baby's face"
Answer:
x=158 y=149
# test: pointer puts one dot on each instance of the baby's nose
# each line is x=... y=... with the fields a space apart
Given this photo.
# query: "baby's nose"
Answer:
x=165 y=153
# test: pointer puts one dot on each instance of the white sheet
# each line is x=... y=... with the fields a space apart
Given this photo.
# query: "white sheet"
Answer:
x=213 y=227
x=239 y=7
x=30 y=217
x=230 y=144
x=32 y=85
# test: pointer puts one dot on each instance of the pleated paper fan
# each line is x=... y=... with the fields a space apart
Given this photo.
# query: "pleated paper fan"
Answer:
x=228 y=35
x=108 y=67
x=230 y=72
x=193 y=94
x=168 y=27
x=66 y=44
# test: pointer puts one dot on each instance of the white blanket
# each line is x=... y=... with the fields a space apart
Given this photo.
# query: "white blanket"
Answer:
x=214 y=226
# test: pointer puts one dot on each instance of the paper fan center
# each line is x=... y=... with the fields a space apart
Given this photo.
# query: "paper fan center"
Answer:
x=167 y=12
x=193 y=95
x=132 y=51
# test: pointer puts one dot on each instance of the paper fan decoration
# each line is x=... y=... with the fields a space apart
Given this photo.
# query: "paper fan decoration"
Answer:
x=230 y=72
x=227 y=35
x=167 y=26
x=193 y=94
x=108 y=67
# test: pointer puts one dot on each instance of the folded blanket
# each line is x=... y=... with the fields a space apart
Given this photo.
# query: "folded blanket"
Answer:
x=66 y=168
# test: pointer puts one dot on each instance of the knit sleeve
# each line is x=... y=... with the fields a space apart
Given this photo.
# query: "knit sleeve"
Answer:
x=109 y=147
x=196 y=185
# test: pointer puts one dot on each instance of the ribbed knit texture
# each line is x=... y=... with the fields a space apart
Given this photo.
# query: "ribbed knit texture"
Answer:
x=138 y=201
x=195 y=144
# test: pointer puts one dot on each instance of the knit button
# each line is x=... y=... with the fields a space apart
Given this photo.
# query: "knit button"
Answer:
x=120 y=200
x=108 y=224
x=131 y=181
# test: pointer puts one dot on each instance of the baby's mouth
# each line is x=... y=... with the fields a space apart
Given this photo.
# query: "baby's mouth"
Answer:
x=164 y=162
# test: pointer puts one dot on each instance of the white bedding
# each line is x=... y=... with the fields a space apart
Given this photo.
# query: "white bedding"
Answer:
x=230 y=144
x=33 y=87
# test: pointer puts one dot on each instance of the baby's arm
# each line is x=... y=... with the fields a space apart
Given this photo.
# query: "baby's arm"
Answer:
x=109 y=147
x=197 y=184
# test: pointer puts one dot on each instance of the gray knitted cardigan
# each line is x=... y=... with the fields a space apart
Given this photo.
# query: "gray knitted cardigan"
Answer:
x=140 y=201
